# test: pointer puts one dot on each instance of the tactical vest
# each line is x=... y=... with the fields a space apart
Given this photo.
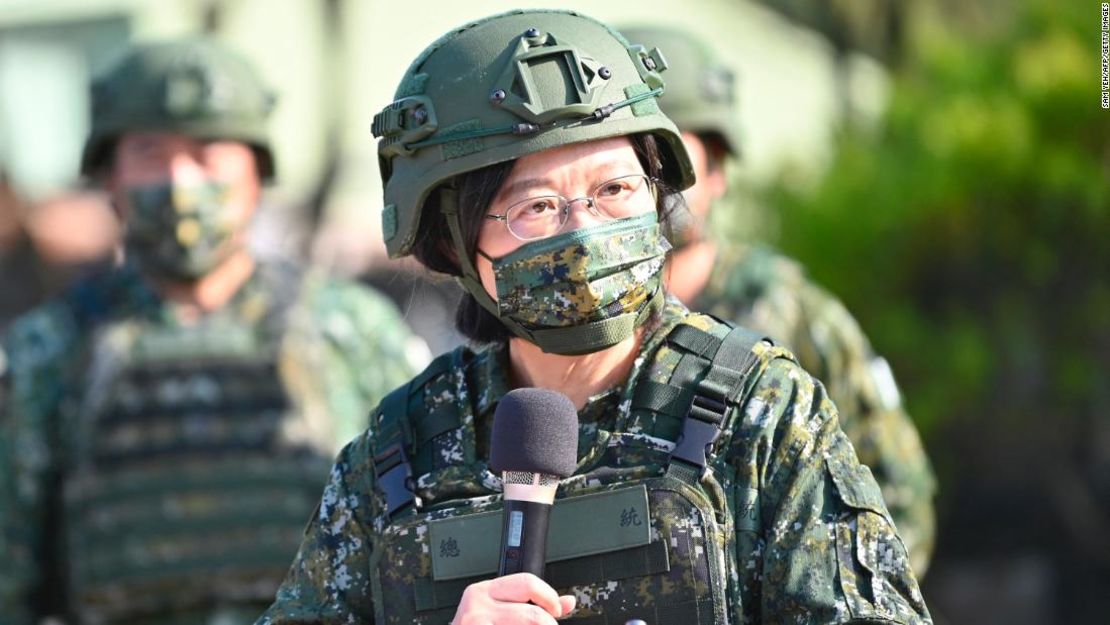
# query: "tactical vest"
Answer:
x=183 y=491
x=646 y=528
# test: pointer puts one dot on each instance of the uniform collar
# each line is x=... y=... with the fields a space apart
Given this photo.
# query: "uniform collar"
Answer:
x=606 y=410
x=251 y=303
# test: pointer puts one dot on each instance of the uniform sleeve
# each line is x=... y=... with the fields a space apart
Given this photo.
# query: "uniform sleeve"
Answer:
x=369 y=350
x=831 y=346
x=329 y=581
x=31 y=388
x=764 y=290
x=12 y=587
x=828 y=552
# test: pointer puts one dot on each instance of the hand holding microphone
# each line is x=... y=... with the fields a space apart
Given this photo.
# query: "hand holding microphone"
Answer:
x=534 y=444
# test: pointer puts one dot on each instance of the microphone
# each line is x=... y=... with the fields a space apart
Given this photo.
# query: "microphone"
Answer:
x=534 y=444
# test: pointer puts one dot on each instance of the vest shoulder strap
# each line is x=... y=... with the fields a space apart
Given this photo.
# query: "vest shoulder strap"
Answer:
x=708 y=357
x=713 y=374
x=717 y=371
x=711 y=364
x=402 y=427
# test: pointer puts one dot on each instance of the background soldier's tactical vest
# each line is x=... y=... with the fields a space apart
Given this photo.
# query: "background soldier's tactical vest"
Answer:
x=645 y=529
x=183 y=493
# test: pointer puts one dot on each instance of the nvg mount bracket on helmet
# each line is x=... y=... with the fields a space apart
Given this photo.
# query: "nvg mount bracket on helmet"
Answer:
x=409 y=124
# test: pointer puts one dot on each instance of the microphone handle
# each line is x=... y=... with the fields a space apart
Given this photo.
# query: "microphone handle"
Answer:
x=524 y=537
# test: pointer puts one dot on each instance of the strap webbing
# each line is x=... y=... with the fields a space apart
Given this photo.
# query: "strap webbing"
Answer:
x=595 y=335
x=730 y=361
x=661 y=398
x=407 y=432
x=391 y=466
x=433 y=424
x=695 y=341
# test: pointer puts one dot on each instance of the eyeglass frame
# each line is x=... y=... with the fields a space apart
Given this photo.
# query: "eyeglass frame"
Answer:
x=564 y=206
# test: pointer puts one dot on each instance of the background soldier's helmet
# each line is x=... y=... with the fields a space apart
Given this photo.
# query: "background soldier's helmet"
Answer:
x=507 y=86
x=197 y=87
x=700 y=96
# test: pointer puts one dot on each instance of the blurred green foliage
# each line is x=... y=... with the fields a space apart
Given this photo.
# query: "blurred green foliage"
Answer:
x=969 y=231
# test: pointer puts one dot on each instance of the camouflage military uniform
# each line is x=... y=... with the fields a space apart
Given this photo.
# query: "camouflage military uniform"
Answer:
x=714 y=486
x=761 y=289
x=807 y=538
x=159 y=471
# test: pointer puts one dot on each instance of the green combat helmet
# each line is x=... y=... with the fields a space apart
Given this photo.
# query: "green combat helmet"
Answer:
x=507 y=86
x=504 y=87
x=700 y=97
x=197 y=87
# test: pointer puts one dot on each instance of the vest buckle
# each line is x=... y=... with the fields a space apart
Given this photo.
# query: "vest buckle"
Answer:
x=393 y=473
x=702 y=425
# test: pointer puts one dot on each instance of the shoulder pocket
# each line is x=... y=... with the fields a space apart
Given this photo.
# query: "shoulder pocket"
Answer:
x=875 y=574
x=853 y=481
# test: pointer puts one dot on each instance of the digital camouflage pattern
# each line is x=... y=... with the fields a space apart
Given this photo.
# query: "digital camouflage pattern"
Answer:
x=788 y=527
x=759 y=288
x=195 y=215
x=160 y=471
x=584 y=275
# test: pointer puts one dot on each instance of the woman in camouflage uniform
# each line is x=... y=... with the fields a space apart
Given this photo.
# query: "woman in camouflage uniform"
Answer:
x=525 y=154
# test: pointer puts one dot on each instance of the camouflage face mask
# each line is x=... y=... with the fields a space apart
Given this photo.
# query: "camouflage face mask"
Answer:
x=180 y=231
x=584 y=290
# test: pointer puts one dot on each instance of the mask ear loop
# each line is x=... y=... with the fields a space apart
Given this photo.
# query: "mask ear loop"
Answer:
x=449 y=206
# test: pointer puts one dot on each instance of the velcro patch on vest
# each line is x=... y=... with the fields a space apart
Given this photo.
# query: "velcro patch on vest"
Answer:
x=469 y=545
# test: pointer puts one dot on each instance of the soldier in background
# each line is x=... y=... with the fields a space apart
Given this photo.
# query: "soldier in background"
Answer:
x=759 y=288
x=167 y=427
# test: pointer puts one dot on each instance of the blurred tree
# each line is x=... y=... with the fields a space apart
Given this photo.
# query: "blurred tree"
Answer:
x=874 y=27
x=969 y=233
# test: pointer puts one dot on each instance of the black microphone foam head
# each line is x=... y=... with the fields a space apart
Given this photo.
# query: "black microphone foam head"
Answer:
x=535 y=431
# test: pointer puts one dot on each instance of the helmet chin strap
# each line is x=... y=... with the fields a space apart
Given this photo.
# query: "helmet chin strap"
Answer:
x=571 y=341
x=471 y=282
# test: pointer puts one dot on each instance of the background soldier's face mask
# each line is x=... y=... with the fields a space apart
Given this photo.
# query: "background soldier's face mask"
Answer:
x=180 y=231
x=584 y=290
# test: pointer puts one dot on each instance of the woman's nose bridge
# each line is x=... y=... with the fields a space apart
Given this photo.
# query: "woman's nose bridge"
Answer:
x=580 y=219
x=590 y=204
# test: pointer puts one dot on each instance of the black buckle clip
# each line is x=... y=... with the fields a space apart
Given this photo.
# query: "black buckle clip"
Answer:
x=702 y=425
x=394 y=477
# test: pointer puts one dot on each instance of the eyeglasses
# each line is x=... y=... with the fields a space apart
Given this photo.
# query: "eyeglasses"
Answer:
x=545 y=215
